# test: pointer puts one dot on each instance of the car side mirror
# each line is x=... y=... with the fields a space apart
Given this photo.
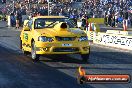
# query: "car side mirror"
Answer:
x=26 y=29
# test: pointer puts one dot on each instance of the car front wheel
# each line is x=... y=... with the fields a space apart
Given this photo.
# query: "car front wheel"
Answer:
x=35 y=57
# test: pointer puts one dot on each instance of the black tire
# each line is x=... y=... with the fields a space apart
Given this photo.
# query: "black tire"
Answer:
x=20 y=44
x=26 y=53
x=85 y=57
x=35 y=57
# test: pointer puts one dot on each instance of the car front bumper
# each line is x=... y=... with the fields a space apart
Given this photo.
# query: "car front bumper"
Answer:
x=59 y=48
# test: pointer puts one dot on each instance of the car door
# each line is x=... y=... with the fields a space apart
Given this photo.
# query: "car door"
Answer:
x=27 y=35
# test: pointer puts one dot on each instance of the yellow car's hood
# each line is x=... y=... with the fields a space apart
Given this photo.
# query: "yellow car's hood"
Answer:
x=51 y=32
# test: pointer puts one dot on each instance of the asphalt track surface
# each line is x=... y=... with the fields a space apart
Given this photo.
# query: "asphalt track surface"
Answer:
x=57 y=71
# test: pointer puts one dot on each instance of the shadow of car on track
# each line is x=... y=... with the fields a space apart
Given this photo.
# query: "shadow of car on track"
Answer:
x=95 y=58
x=62 y=58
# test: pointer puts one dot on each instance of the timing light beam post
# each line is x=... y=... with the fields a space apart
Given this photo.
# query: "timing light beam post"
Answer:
x=48 y=6
x=13 y=5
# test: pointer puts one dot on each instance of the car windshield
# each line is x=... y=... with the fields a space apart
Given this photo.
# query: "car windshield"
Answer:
x=51 y=22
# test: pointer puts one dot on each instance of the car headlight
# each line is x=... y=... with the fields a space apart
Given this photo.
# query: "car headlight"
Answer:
x=83 y=38
x=45 y=39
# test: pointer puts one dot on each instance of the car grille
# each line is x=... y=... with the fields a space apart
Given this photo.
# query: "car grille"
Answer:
x=65 y=38
x=65 y=50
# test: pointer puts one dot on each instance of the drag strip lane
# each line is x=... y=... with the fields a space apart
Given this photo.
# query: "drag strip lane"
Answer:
x=18 y=72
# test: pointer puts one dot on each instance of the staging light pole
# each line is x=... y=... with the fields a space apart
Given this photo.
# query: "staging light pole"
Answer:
x=49 y=1
x=48 y=7
x=13 y=5
x=29 y=5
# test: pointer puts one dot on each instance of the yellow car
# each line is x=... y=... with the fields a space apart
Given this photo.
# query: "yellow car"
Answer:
x=53 y=35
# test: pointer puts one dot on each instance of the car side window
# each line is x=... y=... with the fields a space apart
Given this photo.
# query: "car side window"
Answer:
x=39 y=24
x=30 y=22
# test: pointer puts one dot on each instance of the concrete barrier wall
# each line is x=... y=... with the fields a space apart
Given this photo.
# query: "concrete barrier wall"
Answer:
x=114 y=40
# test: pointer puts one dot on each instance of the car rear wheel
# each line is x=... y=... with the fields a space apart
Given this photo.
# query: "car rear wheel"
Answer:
x=85 y=57
x=35 y=57
x=20 y=44
x=26 y=52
